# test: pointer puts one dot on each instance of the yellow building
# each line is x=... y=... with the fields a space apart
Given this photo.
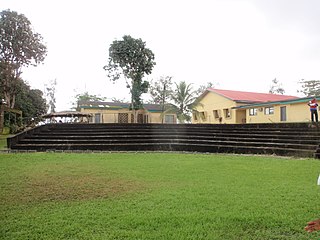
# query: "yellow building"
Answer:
x=294 y=110
x=227 y=106
x=110 y=112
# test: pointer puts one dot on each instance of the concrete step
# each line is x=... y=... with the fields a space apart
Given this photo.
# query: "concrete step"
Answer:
x=168 y=138
x=216 y=148
x=162 y=133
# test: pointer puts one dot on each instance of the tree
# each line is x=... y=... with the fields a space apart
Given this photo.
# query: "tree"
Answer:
x=202 y=88
x=130 y=58
x=19 y=47
x=184 y=98
x=31 y=102
x=310 y=87
x=161 y=92
x=276 y=87
x=51 y=95
x=117 y=100
x=86 y=97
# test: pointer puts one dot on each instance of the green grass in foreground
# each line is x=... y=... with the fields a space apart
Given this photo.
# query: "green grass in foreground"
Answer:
x=156 y=196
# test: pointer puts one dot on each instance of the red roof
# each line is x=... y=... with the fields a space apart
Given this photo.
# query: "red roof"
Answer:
x=239 y=96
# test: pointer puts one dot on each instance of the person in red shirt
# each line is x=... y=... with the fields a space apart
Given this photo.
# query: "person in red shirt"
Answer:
x=313 y=109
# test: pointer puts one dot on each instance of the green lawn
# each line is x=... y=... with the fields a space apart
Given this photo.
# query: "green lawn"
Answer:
x=156 y=196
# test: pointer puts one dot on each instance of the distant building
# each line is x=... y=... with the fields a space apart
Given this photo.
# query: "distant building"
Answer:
x=111 y=112
x=227 y=106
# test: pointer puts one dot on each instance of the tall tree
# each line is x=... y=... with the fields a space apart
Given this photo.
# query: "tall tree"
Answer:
x=161 y=92
x=20 y=47
x=184 y=99
x=276 y=87
x=309 y=87
x=131 y=58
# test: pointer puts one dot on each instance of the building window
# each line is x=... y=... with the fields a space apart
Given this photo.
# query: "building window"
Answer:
x=253 y=111
x=269 y=110
x=203 y=115
x=216 y=114
x=227 y=113
x=195 y=116
x=169 y=118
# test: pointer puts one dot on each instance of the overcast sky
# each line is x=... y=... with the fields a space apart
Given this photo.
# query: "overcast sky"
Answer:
x=236 y=44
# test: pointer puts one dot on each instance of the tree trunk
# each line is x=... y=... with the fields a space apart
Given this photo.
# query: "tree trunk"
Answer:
x=1 y=117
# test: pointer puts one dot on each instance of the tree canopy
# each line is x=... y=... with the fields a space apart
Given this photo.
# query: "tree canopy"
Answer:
x=31 y=102
x=276 y=87
x=20 y=47
x=161 y=93
x=131 y=58
x=310 y=87
x=203 y=87
x=184 y=99
x=161 y=90
x=87 y=98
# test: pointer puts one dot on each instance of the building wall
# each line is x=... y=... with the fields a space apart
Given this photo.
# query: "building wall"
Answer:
x=112 y=116
x=155 y=117
x=214 y=108
x=106 y=116
x=298 y=112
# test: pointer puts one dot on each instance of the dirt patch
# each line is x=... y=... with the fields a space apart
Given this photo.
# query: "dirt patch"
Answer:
x=72 y=188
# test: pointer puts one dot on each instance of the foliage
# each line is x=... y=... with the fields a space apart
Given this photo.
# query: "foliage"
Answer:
x=202 y=88
x=51 y=95
x=20 y=47
x=161 y=93
x=117 y=100
x=130 y=57
x=184 y=99
x=156 y=196
x=31 y=102
x=86 y=97
x=310 y=88
x=161 y=90
x=276 y=87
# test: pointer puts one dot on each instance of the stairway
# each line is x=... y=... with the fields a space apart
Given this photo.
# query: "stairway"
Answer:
x=295 y=139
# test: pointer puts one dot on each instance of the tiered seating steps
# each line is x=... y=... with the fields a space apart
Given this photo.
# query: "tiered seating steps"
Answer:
x=296 y=139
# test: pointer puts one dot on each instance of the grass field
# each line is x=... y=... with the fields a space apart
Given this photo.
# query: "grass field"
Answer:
x=156 y=196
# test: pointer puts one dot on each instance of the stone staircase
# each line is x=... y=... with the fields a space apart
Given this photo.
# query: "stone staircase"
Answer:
x=287 y=139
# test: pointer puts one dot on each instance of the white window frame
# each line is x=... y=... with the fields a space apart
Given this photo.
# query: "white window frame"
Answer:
x=253 y=111
x=269 y=110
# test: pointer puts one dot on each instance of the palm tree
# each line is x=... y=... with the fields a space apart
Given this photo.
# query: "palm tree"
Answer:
x=184 y=99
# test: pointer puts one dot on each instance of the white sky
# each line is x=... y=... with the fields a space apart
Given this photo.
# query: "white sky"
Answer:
x=236 y=44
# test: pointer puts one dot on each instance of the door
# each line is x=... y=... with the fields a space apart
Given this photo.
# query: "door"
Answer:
x=140 y=118
x=97 y=118
x=283 y=114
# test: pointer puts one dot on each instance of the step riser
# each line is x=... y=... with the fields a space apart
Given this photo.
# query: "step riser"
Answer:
x=186 y=148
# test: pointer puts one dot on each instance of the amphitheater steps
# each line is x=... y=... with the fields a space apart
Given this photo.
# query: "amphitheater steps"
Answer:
x=280 y=139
